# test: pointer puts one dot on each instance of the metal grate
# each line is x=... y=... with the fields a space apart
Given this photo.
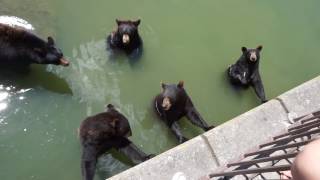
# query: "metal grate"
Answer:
x=276 y=155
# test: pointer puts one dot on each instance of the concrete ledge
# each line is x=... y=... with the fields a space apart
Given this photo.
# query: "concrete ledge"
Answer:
x=245 y=132
x=193 y=158
x=303 y=99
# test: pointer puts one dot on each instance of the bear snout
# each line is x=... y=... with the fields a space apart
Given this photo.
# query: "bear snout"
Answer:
x=253 y=57
x=64 y=62
x=166 y=104
x=125 y=39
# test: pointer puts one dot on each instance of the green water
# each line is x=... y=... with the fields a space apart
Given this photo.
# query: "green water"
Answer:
x=186 y=40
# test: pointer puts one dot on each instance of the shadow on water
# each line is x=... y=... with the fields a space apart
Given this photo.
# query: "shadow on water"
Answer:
x=32 y=77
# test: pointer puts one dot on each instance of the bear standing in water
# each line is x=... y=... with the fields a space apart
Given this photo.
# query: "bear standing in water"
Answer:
x=125 y=38
x=19 y=47
x=100 y=133
x=174 y=103
x=245 y=72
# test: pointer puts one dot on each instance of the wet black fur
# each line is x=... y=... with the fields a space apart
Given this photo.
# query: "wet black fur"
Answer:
x=19 y=47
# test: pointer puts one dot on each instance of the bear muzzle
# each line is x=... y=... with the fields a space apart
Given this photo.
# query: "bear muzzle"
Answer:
x=125 y=39
x=166 y=104
x=64 y=62
x=253 y=57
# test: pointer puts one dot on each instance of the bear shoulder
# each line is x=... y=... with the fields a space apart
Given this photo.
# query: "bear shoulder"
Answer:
x=17 y=35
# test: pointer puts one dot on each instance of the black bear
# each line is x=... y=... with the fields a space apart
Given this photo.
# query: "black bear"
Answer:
x=125 y=38
x=245 y=72
x=104 y=131
x=174 y=103
x=21 y=47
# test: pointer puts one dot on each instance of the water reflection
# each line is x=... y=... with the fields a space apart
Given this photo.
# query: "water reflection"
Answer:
x=3 y=98
x=7 y=95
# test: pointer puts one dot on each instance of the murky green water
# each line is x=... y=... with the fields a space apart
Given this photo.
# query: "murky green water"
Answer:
x=189 y=40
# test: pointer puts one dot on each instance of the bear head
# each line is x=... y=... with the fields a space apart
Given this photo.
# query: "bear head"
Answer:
x=119 y=122
x=172 y=94
x=50 y=54
x=127 y=30
x=252 y=55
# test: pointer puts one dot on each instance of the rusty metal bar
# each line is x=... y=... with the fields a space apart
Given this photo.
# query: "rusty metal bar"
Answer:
x=303 y=125
x=252 y=171
x=288 y=139
x=316 y=113
x=309 y=119
x=299 y=118
x=277 y=148
x=272 y=158
x=306 y=128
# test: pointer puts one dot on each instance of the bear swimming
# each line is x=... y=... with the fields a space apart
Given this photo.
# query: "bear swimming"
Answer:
x=245 y=72
x=19 y=47
x=174 y=103
x=125 y=38
x=104 y=131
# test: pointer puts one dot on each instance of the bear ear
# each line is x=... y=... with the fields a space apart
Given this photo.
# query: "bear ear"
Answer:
x=259 y=47
x=163 y=85
x=110 y=106
x=180 y=84
x=136 y=23
x=50 y=41
x=118 y=22
x=244 y=49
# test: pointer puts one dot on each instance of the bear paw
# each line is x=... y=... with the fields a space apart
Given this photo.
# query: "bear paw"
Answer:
x=209 y=128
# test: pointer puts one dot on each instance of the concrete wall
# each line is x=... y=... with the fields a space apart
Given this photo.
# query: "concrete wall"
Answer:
x=205 y=153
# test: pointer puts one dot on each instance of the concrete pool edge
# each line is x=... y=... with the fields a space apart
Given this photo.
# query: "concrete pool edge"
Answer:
x=205 y=153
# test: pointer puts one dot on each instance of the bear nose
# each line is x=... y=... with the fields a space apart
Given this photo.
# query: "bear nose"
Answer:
x=125 y=39
x=64 y=62
x=166 y=104
x=253 y=57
